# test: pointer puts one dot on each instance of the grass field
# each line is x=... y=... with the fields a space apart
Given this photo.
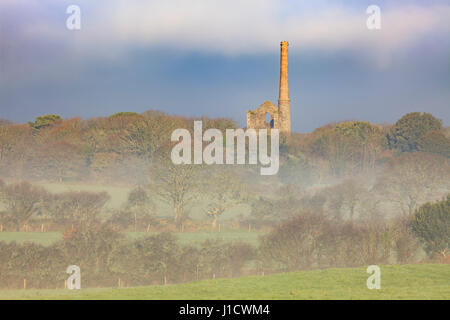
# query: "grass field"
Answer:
x=425 y=281
x=44 y=238
x=118 y=194
x=119 y=197
x=47 y=238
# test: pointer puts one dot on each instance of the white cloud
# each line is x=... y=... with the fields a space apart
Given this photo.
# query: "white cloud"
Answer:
x=236 y=26
x=233 y=27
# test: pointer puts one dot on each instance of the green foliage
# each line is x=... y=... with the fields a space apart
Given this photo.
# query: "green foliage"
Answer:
x=91 y=249
x=435 y=142
x=361 y=131
x=405 y=134
x=45 y=121
x=431 y=223
x=43 y=267
x=124 y=114
x=352 y=146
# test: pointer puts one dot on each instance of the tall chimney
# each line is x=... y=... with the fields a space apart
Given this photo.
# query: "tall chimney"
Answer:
x=284 y=103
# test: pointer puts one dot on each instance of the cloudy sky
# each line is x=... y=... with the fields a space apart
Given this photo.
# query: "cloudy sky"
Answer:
x=220 y=58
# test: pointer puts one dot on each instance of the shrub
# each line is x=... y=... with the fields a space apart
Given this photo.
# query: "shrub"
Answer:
x=295 y=244
x=431 y=224
x=313 y=240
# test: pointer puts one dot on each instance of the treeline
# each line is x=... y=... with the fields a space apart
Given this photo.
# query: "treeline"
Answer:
x=314 y=240
x=27 y=207
x=306 y=241
x=110 y=149
x=352 y=148
x=120 y=147
x=105 y=256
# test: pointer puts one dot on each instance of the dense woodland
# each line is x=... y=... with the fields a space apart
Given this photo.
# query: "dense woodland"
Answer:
x=347 y=194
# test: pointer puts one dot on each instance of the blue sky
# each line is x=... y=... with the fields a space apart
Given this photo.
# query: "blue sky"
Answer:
x=220 y=58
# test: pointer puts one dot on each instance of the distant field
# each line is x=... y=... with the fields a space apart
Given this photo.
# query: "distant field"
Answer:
x=397 y=282
x=118 y=195
x=44 y=238
x=47 y=238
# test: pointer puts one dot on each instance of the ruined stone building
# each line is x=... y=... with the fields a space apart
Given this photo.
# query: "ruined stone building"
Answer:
x=269 y=115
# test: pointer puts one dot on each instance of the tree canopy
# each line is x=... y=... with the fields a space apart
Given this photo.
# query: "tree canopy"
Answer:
x=405 y=134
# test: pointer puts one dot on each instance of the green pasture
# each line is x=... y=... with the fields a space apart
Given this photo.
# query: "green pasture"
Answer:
x=422 y=281
x=185 y=238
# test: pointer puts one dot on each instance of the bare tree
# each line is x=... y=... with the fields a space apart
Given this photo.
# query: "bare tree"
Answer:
x=225 y=190
x=23 y=200
x=175 y=185
x=77 y=208
x=414 y=178
x=140 y=204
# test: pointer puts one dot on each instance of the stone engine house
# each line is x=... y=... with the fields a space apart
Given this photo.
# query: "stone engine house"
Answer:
x=268 y=115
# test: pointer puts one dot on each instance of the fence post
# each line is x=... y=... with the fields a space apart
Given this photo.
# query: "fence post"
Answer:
x=24 y=283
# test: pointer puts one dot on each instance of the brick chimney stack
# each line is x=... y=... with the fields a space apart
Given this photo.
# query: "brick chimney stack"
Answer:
x=284 y=103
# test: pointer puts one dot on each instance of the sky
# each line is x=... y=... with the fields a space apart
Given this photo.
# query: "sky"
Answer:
x=220 y=58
